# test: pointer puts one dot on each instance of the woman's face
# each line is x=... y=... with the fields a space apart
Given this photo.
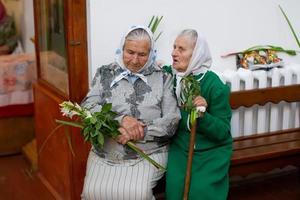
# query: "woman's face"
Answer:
x=182 y=53
x=135 y=54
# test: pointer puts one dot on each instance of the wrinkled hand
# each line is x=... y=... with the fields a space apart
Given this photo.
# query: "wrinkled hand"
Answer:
x=124 y=137
x=200 y=103
x=134 y=128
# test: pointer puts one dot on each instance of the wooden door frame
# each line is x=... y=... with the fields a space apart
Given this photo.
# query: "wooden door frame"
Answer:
x=77 y=60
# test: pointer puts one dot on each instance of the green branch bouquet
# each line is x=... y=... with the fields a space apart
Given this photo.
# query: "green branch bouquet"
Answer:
x=153 y=25
x=97 y=126
x=189 y=90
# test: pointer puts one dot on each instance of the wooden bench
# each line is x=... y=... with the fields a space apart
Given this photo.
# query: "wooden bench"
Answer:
x=265 y=151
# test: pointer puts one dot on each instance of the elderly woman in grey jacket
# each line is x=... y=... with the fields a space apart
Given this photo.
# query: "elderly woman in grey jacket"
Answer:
x=143 y=97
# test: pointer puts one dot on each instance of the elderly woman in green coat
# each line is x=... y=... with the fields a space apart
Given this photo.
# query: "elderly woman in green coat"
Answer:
x=213 y=145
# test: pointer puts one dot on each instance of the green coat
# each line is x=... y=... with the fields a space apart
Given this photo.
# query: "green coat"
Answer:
x=213 y=147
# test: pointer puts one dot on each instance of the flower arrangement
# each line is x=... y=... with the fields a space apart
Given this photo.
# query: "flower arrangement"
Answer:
x=97 y=126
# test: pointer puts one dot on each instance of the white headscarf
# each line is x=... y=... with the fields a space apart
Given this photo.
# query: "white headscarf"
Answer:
x=119 y=57
x=199 y=63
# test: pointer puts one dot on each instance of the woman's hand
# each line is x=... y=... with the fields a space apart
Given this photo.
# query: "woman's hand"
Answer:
x=124 y=137
x=134 y=128
x=200 y=103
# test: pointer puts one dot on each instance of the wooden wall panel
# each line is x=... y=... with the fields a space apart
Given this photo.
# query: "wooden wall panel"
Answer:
x=54 y=156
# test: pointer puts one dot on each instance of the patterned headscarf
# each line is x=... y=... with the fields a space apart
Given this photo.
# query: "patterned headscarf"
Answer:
x=119 y=57
x=199 y=63
x=2 y=12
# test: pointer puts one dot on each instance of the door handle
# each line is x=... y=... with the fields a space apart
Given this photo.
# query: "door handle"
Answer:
x=74 y=43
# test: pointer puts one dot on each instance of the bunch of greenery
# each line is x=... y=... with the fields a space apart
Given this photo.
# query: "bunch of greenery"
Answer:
x=94 y=126
x=153 y=25
x=290 y=25
x=97 y=126
x=189 y=90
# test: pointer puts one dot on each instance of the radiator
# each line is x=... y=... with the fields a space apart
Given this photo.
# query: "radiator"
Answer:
x=270 y=117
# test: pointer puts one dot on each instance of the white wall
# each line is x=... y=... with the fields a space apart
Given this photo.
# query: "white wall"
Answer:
x=229 y=25
x=27 y=26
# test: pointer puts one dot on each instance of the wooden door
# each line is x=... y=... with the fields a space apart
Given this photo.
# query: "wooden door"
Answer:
x=61 y=50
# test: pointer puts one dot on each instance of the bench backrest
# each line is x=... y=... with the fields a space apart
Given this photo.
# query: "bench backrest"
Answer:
x=265 y=110
x=249 y=98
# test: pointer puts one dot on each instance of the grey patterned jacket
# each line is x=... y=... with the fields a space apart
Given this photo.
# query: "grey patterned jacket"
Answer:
x=153 y=103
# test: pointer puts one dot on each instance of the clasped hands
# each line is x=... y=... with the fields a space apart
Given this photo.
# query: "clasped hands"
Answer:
x=131 y=129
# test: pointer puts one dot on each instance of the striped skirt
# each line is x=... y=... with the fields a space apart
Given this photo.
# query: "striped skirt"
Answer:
x=129 y=180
